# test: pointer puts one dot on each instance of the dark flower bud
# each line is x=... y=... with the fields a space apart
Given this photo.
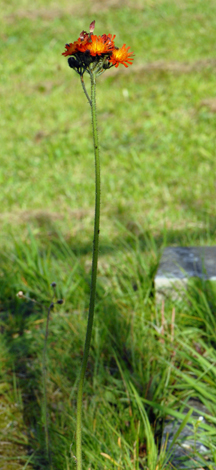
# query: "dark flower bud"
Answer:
x=73 y=63
x=83 y=34
x=53 y=284
x=60 y=301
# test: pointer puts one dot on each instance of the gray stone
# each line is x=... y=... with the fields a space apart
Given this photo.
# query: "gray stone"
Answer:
x=187 y=451
x=178 y=265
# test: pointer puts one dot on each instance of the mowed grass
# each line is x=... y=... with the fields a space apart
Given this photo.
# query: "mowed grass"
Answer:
x=156 y=123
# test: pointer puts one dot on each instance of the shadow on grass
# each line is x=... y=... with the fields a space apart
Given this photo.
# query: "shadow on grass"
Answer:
x=130 y=234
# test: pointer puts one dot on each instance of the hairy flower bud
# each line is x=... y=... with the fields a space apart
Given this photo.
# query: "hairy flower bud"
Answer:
x=92 y=26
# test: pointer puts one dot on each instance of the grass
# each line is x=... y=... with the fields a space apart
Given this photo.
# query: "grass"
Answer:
x=157 y=132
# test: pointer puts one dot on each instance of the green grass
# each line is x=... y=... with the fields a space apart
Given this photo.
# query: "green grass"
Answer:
x=156 y=124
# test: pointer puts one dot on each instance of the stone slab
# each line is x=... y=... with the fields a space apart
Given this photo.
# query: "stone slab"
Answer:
x=190 y=449
x=178 y=265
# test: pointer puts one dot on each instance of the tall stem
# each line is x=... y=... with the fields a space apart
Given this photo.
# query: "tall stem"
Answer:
x=93 y=274
x=45 y=410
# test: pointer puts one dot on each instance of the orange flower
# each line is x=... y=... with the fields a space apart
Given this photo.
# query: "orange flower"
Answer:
x=121 y=56
x=100 y=44
x=77 y=46
x=70 y=48
x=82 y=44
x=96 y=53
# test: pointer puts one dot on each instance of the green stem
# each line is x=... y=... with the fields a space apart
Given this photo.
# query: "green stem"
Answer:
x=46 y=424
x=93 y=274
x=84 y=89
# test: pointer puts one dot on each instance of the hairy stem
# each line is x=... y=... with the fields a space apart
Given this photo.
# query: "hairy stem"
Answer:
x=93 y=274
x=84 y=89
x=46 y=423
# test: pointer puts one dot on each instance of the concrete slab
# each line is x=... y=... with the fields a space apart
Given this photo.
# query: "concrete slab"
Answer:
x=178 y=265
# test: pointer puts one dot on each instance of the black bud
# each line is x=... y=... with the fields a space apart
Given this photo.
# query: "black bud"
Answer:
x=73 y=63
x=60 y=301
x=53 y=284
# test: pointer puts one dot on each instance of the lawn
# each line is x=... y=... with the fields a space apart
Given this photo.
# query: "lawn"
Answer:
x=156 y=122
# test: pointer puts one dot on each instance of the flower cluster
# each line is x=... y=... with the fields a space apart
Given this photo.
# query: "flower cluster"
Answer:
x=96 y=53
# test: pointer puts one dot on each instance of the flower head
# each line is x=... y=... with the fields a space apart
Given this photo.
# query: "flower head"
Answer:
x=93 y=53
x=77 y=46
x=70 y=48
x=100 y=44
x=121 y=56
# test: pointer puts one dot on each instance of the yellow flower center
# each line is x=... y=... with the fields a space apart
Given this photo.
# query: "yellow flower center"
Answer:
x=97 y=47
